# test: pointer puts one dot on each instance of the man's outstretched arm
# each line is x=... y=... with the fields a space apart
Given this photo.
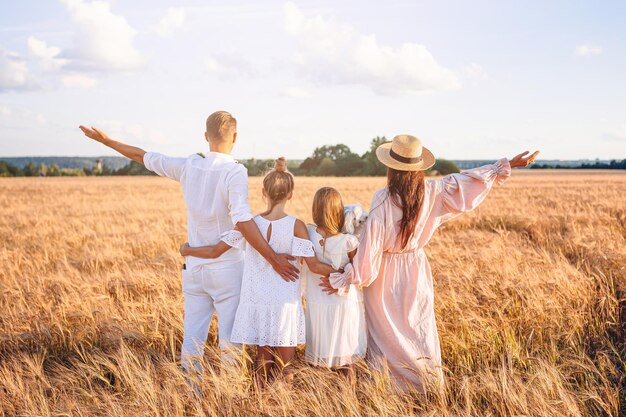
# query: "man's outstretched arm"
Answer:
x=131 y=152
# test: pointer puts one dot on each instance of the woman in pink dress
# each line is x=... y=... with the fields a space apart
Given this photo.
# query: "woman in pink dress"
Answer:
x=391 y=265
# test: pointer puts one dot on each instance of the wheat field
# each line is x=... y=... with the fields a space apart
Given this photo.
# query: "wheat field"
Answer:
x=529 y=295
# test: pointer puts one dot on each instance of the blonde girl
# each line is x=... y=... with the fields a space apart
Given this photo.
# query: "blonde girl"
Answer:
x=335 y=323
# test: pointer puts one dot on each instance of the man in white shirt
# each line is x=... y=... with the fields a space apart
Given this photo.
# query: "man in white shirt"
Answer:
x=215 y=190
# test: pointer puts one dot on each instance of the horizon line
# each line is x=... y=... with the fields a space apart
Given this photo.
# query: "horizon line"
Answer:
x=301 y=159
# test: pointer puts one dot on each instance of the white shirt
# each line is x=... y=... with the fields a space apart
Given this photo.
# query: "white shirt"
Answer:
x=215 y=190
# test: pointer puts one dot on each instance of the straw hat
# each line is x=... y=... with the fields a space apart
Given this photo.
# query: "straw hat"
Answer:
x=405 y=153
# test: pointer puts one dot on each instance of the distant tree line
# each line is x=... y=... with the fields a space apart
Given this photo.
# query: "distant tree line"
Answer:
x=53 y=170
x=340 y=161
x=614 y=164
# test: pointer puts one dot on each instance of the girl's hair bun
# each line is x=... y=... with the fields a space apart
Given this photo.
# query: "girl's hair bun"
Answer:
x=280 y=164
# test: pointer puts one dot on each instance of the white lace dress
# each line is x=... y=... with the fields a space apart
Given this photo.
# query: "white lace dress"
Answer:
x=270 y=309
x=335 y=324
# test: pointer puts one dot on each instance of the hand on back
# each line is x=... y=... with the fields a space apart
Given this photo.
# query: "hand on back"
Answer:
x=327 y=287
x=284 y=268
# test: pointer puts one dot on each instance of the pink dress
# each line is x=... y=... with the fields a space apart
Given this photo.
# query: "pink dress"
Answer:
x=398 y=283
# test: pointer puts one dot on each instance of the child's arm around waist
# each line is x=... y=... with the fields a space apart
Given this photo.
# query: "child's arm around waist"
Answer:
x=314 y=264
x=206 y=252
x=228 y=240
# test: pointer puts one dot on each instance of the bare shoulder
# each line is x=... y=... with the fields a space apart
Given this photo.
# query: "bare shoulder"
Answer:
x=299 y=229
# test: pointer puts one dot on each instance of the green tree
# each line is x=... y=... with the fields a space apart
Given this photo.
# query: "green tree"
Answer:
x=334 y=152
x=258 y=167
x=134 y=168
x=72 y=172
x=344 y=161
x=349 y=166
x=309 y=165
x=443 y=167
x=42 y=170
x=53 y=171
x=9 y=170
x=326 y=167
x=372 y=165
x=106 y=170
x=30 y=170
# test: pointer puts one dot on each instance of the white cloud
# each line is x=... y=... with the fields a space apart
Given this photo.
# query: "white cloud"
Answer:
x=617 y=134
x=5 y=110
x=51 y=72
x=14 y=74
x=41 y=119
x=475 y=71
x=228 y=64
x=77 y=80
x=335 y=53
x=296 y=92
x=171 y=21
x=46 y=55
x=104 y=40
x=134 y=132
x=587 y=50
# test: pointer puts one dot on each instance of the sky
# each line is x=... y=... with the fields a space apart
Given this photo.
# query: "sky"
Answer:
x=471 y=79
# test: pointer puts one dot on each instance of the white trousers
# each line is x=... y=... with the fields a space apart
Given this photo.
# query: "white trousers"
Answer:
x=207 y=290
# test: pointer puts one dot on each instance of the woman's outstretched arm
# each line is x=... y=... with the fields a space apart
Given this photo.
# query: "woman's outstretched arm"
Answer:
x=463 y=192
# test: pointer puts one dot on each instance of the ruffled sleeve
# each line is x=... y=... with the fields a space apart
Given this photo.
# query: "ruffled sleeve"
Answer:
x=302 y=247
x=342 y=280
x=233 y=238
x=352 y=242
x=460 y=193
x=366 y=263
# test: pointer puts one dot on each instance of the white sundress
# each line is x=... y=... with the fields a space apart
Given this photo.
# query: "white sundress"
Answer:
x=270 y=309
x=335 y=324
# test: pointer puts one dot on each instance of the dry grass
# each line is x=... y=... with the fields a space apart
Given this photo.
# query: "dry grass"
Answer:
x=530 y=295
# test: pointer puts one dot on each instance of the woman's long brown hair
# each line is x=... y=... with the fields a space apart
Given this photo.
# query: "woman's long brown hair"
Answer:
x=406 y=190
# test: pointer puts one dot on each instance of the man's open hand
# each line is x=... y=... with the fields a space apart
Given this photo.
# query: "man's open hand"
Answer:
x=93 y=133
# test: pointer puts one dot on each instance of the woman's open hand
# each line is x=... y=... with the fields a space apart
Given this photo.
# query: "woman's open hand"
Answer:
x=183 y=249
x=520 y=161
x=327 y=288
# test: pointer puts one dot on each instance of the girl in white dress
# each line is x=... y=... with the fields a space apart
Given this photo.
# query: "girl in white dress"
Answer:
x=335 y=324
x=270 y=313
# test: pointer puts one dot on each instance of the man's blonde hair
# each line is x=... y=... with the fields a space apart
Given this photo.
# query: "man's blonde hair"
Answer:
x=221 y=125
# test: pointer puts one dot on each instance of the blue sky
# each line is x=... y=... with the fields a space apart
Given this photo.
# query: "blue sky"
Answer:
x=473 y=80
